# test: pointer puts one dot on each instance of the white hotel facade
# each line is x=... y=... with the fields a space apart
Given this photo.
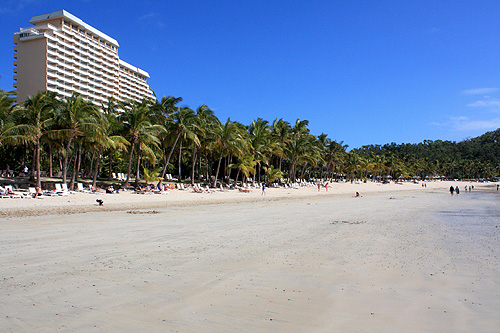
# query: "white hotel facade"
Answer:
x=63 y=54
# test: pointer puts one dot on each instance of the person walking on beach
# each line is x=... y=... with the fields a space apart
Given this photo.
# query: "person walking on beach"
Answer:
x=326 y=186
x=452 y=189
x=457 y=190
x=319 y=187
x=263 y=189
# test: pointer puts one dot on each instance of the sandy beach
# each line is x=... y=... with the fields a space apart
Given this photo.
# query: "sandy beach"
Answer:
x=399 y=258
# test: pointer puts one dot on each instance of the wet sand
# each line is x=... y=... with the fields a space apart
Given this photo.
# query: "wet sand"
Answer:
x=406 y=260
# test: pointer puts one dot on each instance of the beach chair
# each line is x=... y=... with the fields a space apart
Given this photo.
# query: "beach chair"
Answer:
x=10 y=192
x=3 y=192
x=33 y=193
x=60 y=191
x=80 y=188
x=65 y=188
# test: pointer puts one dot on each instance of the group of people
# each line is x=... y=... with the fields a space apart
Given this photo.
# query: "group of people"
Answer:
x=325 y=186
x=111 y=190
x=457 y=189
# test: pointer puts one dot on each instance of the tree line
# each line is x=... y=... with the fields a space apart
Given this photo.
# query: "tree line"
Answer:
x=150 y=139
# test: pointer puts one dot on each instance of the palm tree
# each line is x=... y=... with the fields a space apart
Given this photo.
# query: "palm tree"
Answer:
x=352 y=163
x=246 y=165
x=163 y=111
x=112 y=127
x=379 y=165
x=228 y=136
x=106 y=140
x=180 y=125
x=260 y=143
x=281 y=132
x=151 y=176
x=6 y=107
x=335 y=153
x=136 y=118
x=145 y=147
x=273 y=174
x=204 y=120
x=35 y=121
x=74 y=117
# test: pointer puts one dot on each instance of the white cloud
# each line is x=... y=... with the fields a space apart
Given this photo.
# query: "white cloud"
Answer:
x=147 y=16
x=153 y=18
x=464 y=124
x=480 y=91
x=477 y=125
x=485 y=103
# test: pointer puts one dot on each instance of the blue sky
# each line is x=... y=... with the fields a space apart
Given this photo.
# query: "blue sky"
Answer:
x=363 y=72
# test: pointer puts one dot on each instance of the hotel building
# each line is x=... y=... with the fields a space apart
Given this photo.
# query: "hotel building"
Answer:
x=63 y=54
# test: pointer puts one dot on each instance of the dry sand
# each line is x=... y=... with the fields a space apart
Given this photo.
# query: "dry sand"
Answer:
x=399 y=258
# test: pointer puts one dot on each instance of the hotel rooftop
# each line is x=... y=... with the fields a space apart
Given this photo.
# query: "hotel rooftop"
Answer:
x=63 y=54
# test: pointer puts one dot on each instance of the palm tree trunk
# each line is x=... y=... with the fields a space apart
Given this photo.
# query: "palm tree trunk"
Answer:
x=136 y=183
x=65 y=161
x=76 y=166
x=37 y=158
x=110 y=169
x=92 y=162
x=209 y=167
x=180 y=160
x=236 y=178
x=218 y=168
x=193 y=164
x=33 y=165
x=96 y=169
x=132 y=146
x=50 y=161
x=170 y=155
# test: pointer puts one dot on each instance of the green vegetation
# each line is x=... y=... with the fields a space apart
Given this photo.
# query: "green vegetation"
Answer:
x=73 y=137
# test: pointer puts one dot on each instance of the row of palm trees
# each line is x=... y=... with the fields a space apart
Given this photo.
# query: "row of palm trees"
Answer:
x=153 y=138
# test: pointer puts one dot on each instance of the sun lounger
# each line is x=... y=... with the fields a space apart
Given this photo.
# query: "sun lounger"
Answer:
x=34 y=194
x=12 y=194
x=65 y=188
x=60 y=191
x=80 y=188
x=3 y=192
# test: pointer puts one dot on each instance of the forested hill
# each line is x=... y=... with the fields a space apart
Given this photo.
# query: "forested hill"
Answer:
x=482 y=149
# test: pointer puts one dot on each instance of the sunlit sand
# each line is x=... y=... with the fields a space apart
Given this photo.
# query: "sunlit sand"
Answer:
x=399 y=258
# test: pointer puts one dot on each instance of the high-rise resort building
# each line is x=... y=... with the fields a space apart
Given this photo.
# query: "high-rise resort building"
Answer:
x=63 y=54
